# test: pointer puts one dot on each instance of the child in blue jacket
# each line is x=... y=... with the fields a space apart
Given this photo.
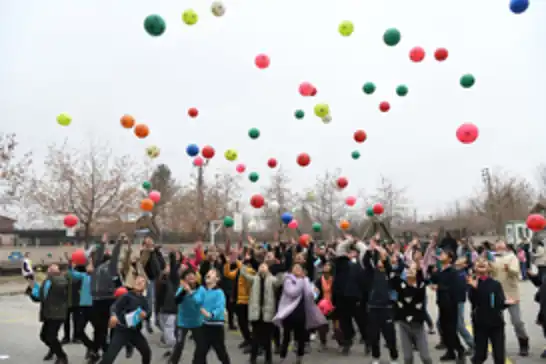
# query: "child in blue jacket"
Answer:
x=189 y=297
x=213 y=306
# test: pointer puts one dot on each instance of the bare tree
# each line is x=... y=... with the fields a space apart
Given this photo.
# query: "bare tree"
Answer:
x=94 y=185
x=162 y=182
x=326 y=206
x=13 y=169
x=503 y=197
x=394 y=201
x=221 y=195
x=280 y=198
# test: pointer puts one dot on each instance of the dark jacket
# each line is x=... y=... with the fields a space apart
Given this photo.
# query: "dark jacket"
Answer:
x=450 y=287
x=346 y=283
x=411 y=300
x=488 y=302
x=379 y=287
x=129 y=303
x=167 y=287
x=52 y=296
x=105 y=277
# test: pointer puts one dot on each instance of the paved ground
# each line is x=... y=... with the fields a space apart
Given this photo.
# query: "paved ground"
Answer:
x=19 y=341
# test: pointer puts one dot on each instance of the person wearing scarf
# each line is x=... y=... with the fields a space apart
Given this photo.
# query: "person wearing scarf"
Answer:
x=297 y=312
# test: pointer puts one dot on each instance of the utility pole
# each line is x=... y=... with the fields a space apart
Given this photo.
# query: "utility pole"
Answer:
x=201 y=199
x=490 y=205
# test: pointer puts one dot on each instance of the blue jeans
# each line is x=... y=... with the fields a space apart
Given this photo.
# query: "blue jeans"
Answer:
x=461 y=327
x=523 y=268
x=150 y=297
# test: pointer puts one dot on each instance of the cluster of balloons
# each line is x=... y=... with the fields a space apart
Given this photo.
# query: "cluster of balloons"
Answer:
x=147 y=204
x=376 y=209
x=140 y=130
x=155 y=25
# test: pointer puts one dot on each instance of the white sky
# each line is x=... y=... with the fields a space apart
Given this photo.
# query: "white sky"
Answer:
x=93 y=60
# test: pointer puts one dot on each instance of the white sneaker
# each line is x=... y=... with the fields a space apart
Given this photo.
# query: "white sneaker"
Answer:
x=375 y=361
x=394 y=362
x=313 y=337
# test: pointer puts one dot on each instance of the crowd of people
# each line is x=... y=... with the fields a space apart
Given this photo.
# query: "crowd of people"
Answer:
x=284 y=292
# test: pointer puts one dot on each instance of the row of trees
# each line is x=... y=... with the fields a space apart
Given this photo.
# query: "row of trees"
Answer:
x=101 y=188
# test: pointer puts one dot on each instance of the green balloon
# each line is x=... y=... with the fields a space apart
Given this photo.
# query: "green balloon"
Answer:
x=368 y=88
x=154 y=25
x=228 y=221
x=355 y=154
x=253 y=177
x=49 y=255
x=146 y=185
x=369 y=211
x=317 y=227
x=468 y=80
x=299 y=114
x=253 y=133
x=402 y=90
x=391 y=37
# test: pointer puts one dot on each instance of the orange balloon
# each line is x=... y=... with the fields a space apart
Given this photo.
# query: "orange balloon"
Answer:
x=142 y=131
x=146 y=204
x=344 y=224
x=127 y=121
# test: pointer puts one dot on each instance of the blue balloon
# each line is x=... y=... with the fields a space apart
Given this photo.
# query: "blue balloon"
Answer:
x=192 y=150
x=286 y=217
x=519 y=6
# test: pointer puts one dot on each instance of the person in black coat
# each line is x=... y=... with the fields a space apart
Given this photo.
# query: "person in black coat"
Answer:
x=449 y=288
x=488 y=303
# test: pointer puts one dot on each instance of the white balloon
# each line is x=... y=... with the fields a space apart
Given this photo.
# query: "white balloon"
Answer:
x=217 y=8
x=327 y=119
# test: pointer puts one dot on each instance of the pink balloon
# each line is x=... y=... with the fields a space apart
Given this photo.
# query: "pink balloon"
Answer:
x=198 y=161
x=240 y=168
x=306 y=89
x=467 y=133
x=325 y=306
x=155 y=196
x=293 y=224
x=262 y=61
x=350 y=201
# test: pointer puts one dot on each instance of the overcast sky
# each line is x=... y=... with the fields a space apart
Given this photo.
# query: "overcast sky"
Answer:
x=93 y=60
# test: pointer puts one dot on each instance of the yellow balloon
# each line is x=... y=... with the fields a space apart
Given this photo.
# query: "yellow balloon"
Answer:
x=64 y=119
x=321 y=110
x=190 y=17
x=346 y=28
x=231 y=155
x=153 y=151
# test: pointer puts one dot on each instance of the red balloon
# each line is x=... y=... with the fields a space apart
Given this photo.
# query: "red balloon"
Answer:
x=78 y=257
x=70 y=220
x=207 y=152
x=304 y=159
x=198 y=161
x=193 y=112
x=304 y=240
x=441 y=54
x=314 y=92
x=467 y=133
x=384 y=106
x=272 y=162
x=342 y=182
x=262 y=61
x=536 y=222
x=293 y=224
x=325 y=306
x=257 y=201
x=240 y=168
x=306 y=89
x=417 y=54
x=378 y=209
x=120 y=291
x=360 y=136
x=350 y=201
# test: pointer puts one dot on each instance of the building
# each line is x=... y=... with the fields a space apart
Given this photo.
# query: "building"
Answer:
x=7 y=231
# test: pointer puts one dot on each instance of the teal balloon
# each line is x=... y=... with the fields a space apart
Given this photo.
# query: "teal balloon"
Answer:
x=253 y=177
x=368 y=88
x=228 y=221
x=369 y=211
x=146 y=185
x=299 y=114
x=402 y=90
x=154 y=25
x=355 y=154
x=254 y=133
x=467 y=81
x=391 y=37
x=317 y=227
